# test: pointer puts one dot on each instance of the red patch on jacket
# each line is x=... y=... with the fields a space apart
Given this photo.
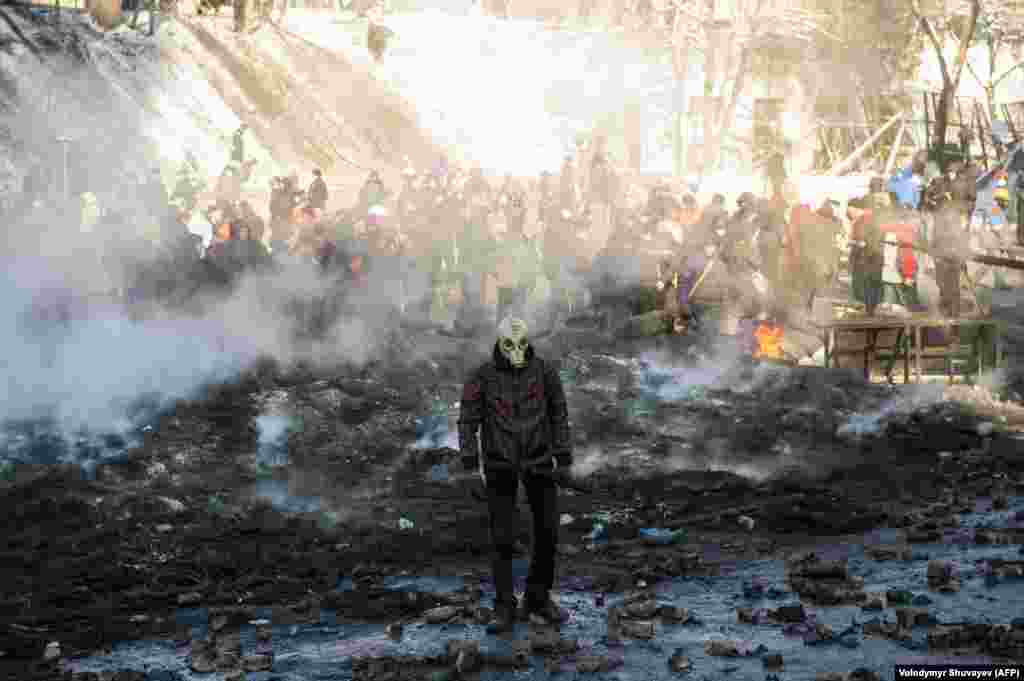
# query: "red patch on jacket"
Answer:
x=504 y=408
x=535 y=392
x=471 y=392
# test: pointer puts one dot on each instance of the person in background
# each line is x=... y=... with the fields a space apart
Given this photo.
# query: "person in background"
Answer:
x=238 y=144
x=249 y=250
x=257 y=226
x=317 y=191
x=866 y=257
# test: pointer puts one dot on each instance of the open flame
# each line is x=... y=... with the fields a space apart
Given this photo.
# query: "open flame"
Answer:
x=769 y=341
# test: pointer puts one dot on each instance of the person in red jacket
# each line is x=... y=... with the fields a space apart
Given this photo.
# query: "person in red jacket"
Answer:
x=900 y=229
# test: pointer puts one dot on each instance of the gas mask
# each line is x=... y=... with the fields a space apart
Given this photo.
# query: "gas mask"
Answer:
x=512 y=341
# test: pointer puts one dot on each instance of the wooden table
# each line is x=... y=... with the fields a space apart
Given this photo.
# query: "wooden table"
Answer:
x=908 y=346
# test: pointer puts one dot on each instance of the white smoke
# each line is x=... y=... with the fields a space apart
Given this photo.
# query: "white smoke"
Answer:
x=910 y=400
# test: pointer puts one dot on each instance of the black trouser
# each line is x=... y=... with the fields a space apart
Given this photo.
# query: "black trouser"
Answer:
x=542 y=494
x=947 y=275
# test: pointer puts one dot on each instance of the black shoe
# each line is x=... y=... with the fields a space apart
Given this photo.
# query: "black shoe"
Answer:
x=504 y=619
x=545 y=613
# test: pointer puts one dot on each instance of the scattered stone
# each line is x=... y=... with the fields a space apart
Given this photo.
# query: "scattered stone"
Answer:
x=813 y=568
x=986 y=429
x=257 y=663
x=190 y=598
x=637 y=629
x=721 y=648
x=641 y=609
x=52 y=651
x=464 y=654
x=440 y=615
x=941 y=576
x=823 y=632
x=173 y=505
x=679 y=663
x=789 y=614
x=773 y=661
x=548 y=640
x=675 y=614
x=886 y=553
x=876 y=628
x=164 y=528
x=590 y=664
x=908 y=618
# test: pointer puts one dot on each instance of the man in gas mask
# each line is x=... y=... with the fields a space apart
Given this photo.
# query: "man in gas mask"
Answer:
x=514 y=424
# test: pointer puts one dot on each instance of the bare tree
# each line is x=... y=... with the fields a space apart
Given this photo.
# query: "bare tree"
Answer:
x=1001 y=30
x=731 y=43
x=937 y=29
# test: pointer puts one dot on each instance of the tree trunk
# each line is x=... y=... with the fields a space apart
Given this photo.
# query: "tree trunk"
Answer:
x=946 y=100
x=680 y=68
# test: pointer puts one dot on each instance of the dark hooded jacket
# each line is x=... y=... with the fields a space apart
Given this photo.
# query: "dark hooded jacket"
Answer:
x=521 y=415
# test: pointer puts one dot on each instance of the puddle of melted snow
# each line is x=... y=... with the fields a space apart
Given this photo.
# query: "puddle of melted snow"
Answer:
x=325 y=650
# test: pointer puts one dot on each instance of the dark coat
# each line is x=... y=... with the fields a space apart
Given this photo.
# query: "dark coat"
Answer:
x=318 y=193
x=521 y=415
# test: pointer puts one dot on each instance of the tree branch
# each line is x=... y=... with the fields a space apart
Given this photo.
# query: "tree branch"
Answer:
x=926 y=26
x=965 y=41
x=1005 y=73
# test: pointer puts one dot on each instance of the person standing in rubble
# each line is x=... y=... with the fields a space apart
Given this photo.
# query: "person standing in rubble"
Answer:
x=821 y=250
x=703 y=283
x=866 y=257
x=373 y=193
x=377 y=34
x=514 y=426
x=317 y=191
x=514 y=200
x=946 y=201
x=238 y=145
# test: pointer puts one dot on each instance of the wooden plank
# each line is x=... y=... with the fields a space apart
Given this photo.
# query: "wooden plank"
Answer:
x=1010 y=123
x=844 y=165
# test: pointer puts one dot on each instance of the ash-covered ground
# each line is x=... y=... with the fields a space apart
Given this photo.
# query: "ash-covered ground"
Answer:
x=272 y=489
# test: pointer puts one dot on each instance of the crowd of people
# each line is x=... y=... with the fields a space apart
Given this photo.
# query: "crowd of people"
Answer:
x=453 y=249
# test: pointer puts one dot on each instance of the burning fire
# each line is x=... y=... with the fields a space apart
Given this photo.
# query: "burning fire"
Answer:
x=769 y=341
